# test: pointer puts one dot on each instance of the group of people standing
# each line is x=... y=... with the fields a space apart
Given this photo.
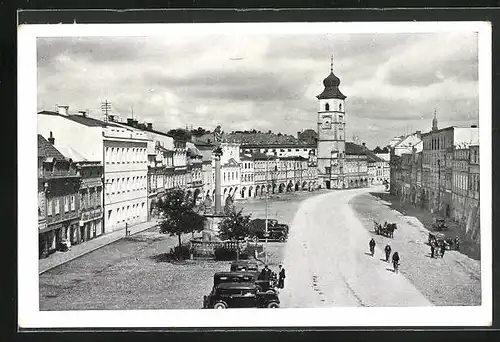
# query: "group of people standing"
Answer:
x=267 y=274
x=387 y=250
x=437 y=248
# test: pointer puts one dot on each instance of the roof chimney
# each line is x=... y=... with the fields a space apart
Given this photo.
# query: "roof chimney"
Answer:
x=364 y=145
x=82 y=113
x=51 y=139
x=150 y=126
x=419 y=134
x=473 y=126
x=298 y=135
x=63 y=110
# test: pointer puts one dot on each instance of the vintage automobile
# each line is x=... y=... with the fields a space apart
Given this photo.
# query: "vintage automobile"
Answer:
x=239 y=295
x=248 y=267
x=439 y=224
x=244 y=266
x=275 y=230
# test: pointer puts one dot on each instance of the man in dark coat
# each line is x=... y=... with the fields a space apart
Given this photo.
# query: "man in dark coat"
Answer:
x=387 y=253
x=372 y=246
x=432 y=249
x=281 y=280
x=265 y=274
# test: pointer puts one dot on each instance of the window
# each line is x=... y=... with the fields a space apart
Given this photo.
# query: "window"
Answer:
x=66 y=204
x=128 y=184
x=327 y=106
x=56 y=206
x=49 y=207
x=73 y=202
x=340 y=107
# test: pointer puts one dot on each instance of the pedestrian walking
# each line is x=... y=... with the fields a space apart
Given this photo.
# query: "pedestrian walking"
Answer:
x=387 y=253
x=432 y=249
x=395 y=261
x=457 y=243
x=443 y=248
x=281 y=279
x=372 y=246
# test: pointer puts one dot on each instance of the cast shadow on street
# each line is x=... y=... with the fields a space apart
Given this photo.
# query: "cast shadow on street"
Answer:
x=370 y=254
x=390 y=269
x=383 y=260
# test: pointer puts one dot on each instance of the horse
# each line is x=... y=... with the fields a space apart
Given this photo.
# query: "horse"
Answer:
x=390 y=228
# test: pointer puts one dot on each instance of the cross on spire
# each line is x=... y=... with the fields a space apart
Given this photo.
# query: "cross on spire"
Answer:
x=331 y=64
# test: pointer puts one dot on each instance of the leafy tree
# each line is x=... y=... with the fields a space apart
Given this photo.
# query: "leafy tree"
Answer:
x=377 y=150
x=179 y=215
x=200 y=131
x=180 y=134
x=385 y=150
x=235 y=226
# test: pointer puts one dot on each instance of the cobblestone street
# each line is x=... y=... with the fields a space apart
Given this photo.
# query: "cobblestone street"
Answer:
x=128 y=274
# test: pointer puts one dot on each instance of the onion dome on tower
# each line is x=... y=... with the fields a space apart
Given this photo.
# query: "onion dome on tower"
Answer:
x=331 y=83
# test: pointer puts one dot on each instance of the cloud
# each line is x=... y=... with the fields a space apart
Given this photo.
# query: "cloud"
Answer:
x=265 y=81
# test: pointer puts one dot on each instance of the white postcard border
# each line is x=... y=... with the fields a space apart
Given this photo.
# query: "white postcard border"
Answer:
x=28 y=278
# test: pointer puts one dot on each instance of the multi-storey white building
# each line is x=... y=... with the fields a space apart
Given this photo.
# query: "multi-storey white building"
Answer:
x=123 y=153
x=230 y=170
x=247 y=177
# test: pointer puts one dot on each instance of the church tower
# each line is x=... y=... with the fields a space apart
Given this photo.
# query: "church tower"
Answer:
x=434 y=122
x=331 y=129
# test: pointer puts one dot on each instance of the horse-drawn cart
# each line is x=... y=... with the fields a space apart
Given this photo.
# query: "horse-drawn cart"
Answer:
x=386 y=230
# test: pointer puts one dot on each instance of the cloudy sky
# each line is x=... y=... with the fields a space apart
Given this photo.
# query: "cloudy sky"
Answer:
x=393 y=82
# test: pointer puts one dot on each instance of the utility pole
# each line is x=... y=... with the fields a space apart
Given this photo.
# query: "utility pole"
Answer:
x=106 y=108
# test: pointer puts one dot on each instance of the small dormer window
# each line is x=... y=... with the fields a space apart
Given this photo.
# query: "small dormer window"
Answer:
x=327 y=107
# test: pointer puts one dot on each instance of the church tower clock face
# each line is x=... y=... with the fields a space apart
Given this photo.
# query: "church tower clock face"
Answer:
x=326 y=122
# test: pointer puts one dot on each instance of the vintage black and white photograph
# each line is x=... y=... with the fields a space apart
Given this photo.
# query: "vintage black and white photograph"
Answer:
x=245 y=166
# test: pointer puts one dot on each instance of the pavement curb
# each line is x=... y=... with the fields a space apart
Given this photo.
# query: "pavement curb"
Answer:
x=94 y=249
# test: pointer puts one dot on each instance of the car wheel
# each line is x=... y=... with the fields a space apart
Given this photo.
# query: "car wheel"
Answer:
x=273 y=305
x=220 y=305
x=283 y=239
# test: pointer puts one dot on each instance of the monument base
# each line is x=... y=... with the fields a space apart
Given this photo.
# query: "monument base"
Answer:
x=212 y=222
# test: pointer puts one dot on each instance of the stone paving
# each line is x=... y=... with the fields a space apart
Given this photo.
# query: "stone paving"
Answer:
x=76 y=251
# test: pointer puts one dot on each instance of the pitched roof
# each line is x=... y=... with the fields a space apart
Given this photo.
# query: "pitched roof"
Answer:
x=352 y=148
x=47 y=150
x=83 y=120
x=70 y=153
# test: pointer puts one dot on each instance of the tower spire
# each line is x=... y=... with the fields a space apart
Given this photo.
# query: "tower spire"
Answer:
x=331 y=64
x=434 y=121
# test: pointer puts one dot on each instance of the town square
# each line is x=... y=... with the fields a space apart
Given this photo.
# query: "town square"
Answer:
x=310 y=171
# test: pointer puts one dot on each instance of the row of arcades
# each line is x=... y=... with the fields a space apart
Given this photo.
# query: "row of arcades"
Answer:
x=256 y=191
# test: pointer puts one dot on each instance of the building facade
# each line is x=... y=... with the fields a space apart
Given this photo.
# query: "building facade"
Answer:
x=121 y=150
x=58 y=199
x=465 y=189
x=247 y=177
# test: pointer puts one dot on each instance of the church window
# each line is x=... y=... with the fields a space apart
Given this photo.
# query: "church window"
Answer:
x=340 y=106
x=327 y=106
